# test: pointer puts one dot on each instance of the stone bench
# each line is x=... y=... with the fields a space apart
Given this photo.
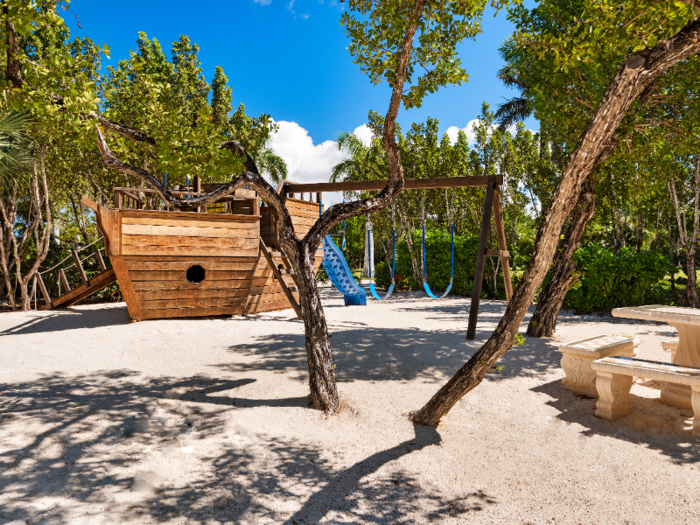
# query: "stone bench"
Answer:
x=672 y=345
x=614 y=376
x=578 y=356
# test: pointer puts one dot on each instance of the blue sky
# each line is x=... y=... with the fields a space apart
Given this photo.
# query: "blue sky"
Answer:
x=289 y=59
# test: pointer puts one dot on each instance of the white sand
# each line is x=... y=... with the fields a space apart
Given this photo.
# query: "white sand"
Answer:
x=205 y=421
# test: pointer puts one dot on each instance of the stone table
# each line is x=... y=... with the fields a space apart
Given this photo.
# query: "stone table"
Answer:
x=687 y=322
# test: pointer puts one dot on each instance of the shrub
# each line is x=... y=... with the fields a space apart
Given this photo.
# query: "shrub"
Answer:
x=609 y=280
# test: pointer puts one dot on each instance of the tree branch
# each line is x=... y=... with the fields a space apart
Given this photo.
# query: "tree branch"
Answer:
x=12 y=71
x=111 y=161
x=339 y=212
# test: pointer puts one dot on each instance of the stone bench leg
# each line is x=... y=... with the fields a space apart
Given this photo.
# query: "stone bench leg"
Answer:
x=580 y=378
x=695 y=400
x=614 y=395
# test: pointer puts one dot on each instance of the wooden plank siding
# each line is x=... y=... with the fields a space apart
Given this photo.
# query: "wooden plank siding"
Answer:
x=155 y=250
x=151 y=252
x=161 y=286
x=269 y=296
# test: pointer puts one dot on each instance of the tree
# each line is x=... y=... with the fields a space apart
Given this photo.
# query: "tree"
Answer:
x=51 y=80
x=15 y=155
x=386 y=29
x=689 y=241
x=563 y=98
x=652 y=54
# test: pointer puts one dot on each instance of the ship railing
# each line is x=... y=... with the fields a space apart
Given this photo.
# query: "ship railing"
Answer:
x=149 y=199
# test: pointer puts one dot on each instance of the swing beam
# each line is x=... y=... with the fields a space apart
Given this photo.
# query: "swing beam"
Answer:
x=378 y=185
x=492 y=205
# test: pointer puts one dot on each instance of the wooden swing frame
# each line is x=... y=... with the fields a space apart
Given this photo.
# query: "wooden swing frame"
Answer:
x=492 y=205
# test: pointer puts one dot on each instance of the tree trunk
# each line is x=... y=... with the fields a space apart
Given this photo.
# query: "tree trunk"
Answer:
x=620 y=240
x=594 y=146
x=416 y=267
x=692 y=288
x=640 y=228
x=12 y=71
x=655 y=244
x=690 y=245
x=79 y=220
x=322 y=386
x=563 y=276
x=40 y=222
x=8 y=217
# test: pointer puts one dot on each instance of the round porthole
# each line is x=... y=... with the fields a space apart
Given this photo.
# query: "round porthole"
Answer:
x=195 y=274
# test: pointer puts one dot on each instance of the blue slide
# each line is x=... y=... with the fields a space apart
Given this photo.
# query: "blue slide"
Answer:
x=339 y=273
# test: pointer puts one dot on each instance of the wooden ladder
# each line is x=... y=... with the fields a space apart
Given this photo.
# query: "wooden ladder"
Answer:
x=89 y=286
x=279 y=275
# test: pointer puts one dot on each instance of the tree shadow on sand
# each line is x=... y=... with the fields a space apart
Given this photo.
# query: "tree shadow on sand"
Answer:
x=398 y=354
x=70 y=319
x=652 y=424
x=116 y=446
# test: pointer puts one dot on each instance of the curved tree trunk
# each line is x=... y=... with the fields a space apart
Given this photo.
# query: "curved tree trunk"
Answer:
x=594 y=146
x=323 y=392
x=544 y=320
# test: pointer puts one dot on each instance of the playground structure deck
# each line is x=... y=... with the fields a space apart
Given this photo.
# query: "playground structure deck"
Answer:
x=219 y=260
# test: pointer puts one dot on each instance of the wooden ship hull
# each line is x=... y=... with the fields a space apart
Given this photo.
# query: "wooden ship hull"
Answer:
x=172 y=264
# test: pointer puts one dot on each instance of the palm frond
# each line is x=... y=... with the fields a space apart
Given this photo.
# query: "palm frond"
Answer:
x=14 y=124
x=272 y=165
x=514 y=110
x=16 y=148
x=343 y=171
x=351 y=143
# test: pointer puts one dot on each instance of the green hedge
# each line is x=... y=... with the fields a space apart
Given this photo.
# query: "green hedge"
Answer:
x=610 y=280
x=438 y=252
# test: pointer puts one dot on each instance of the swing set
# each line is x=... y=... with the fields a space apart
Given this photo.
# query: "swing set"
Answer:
x=492 y=206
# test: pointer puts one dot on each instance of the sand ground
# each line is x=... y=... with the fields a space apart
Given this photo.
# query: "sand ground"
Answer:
x=206 y=421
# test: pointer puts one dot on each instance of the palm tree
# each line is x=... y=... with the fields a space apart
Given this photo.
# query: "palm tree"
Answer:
x=16 y=150
x=362 y=162
x=272 y=165
x=516 y=109
x=16 y=156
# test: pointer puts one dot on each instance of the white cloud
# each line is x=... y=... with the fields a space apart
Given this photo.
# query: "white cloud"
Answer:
x=309 y=162
x=453 y=131
x=364 y=134
x=306 y=162
x=263 y=2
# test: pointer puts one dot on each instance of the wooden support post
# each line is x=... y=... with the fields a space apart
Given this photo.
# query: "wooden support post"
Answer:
x=79 y=266
x=501 y=235
x=100 y=260
x=481 y=258
x=283 y=284
x=64 y=280
x=117 y=199
x=198 y=189
x=44 y=291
